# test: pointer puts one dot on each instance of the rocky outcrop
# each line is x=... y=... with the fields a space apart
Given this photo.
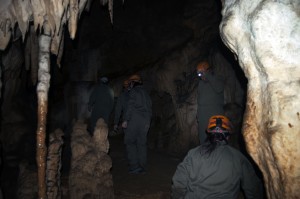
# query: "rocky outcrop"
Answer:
x=265 y=37
x=90 y=175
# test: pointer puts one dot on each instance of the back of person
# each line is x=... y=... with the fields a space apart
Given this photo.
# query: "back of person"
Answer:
x=215 y=169
x=101 y=103
x=220 y=174
x=104 y=101
x=142 y=105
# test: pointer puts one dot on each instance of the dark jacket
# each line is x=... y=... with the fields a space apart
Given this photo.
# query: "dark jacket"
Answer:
x=220 y=174
x=211 y=90
x=139 y=104
x=121 y=106
x=210 y=100
x=102 y=102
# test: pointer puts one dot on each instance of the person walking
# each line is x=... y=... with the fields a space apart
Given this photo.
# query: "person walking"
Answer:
x=137 y=122
x=216 y=170
x=100 y=103
x=210 y=96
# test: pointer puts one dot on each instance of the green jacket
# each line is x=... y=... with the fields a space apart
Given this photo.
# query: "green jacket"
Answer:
x=219 y=175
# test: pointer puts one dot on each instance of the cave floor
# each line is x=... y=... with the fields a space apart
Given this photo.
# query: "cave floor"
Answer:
x=155 y=184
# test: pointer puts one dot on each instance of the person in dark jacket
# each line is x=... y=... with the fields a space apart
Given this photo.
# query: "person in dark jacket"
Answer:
x=121 y=105
x=101 y=103
x=215 y=169
x=210 y=97
x=137 y=123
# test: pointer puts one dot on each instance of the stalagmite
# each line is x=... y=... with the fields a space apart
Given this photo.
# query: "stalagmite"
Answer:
x=42 y=94
x=90 y=175
x=265 y=36
x=54 y=164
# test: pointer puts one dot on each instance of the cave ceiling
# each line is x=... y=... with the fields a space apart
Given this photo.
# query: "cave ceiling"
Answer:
x=142 y=33
x=88 y=37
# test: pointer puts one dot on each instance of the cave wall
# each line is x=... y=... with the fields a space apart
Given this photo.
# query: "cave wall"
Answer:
x=265 y=36
x=162 y=40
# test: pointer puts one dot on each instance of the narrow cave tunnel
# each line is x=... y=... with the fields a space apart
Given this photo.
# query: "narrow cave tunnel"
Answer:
x=162 y=41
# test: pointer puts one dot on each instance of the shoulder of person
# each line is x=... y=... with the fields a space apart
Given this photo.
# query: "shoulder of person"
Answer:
x=195 y=150
x=236 y=152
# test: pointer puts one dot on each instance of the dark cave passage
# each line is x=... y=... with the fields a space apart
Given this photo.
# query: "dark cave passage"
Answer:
x=163 y=42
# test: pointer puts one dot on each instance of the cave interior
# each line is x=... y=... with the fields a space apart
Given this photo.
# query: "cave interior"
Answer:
x=162 y=40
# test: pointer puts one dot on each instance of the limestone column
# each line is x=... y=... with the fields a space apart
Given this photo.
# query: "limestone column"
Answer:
x=265 y=36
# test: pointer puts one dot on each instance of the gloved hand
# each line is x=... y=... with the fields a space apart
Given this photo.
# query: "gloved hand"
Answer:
x=124 y=124
x=115 y=127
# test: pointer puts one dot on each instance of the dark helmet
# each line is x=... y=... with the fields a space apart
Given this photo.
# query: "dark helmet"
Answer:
x=104 y=80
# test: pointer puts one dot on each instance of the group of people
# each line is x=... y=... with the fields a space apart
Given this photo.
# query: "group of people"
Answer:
x=134 y=109
x=214 y=169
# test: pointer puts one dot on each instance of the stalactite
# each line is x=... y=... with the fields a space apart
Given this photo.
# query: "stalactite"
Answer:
x=60 y=51
x=73 y=9
x=110 y=9
x=34 y=52
x=81 y=6
x=5 y=38
x=23 y=12
x=42 y=93
x=27 y=52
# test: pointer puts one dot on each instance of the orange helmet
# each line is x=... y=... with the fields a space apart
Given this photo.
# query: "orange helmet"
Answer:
x=135 y=78
x=219 y=124
x=202 y=66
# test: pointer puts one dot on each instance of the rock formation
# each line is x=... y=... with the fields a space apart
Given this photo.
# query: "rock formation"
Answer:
x=27 y=179
x=54 y=164
x=265 y=36
x=90 y=175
